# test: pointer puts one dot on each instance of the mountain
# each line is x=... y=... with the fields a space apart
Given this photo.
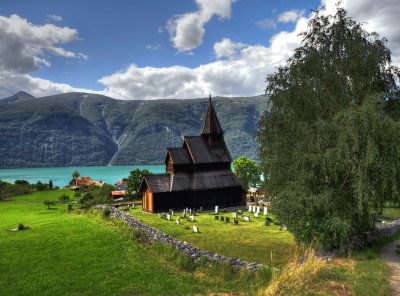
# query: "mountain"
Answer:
x=78 y=129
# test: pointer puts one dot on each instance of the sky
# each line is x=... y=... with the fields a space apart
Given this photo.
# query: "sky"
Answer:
x=157 y=49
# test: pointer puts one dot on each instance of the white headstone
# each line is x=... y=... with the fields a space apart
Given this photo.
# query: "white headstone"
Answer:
x=234 y=215
x=133 y=205
x=190 y=211
x=169 y=217
x=178 y=221
x=246 y=218
x=250 y=208
x=172 y=213
x=284 y=227
x=257 y=215
x=191 y=218
x=265 y=211
x=258 y=209
x=195 y=229
x=216 y=209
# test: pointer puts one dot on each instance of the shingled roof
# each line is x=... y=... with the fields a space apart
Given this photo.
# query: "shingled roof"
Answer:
x=211 y=124
x=201 y=153
x=156 y=183
x=179 y=155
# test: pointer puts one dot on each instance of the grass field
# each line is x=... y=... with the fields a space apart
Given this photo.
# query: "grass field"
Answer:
x=83 y=254
x=251 y=241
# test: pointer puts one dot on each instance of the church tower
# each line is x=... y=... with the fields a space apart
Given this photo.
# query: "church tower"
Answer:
x=212 y=132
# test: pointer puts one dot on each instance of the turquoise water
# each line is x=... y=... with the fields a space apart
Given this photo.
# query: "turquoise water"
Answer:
x=62 y=175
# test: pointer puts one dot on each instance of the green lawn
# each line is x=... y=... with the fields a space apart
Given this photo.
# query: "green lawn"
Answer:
x=83 y=254
x=40 y=196
x=252 y=241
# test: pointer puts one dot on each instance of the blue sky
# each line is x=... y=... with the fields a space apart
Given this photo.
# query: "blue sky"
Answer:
x=158 y=49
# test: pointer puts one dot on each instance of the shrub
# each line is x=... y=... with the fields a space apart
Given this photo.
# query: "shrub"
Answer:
x=69 y=208
x=49 y=203
x=64 y=198
x=269 y=219
x=106 y=213
x=185 y=263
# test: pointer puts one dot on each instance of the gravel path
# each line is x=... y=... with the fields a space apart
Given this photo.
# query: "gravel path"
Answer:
x=393 y=260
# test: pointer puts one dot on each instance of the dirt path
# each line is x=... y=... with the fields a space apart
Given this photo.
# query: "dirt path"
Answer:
x=393 y=260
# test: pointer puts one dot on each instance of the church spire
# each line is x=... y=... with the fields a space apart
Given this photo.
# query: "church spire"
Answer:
x=211 y=124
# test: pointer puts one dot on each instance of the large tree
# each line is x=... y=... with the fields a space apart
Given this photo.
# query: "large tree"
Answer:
x=134 y=180
x=248 y=172
x=328 y=145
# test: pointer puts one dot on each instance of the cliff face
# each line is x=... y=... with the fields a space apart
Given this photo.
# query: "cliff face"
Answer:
x=84 y=129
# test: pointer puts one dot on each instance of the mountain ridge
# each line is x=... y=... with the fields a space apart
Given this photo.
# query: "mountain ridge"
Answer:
x=87 y=129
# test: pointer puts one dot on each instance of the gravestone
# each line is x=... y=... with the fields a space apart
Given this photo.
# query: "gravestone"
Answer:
x=236 y=221
x=216 y=209
x=256 y=215
x=234 y=215
x=216 y=217
x=195 y=229
x=201 y=209
x=222 y=218
x=246 y=218
x=258 y=210
x=133 y=206
x=267 y=223
x=227 y=219
x=160 y=215
x=178 y=221
x=172 y=213
x=284 y=228
x=265 y=211
x=168 y=217
x=250 y=208
x=191 y=218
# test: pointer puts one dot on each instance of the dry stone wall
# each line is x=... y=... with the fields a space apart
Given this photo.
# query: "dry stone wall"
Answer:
x=154 y=235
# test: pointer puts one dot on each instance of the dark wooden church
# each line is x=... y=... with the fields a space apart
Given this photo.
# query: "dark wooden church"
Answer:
x=197 y=175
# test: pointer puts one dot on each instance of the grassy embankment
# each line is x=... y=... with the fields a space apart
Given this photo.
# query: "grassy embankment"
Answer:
x=83 y=254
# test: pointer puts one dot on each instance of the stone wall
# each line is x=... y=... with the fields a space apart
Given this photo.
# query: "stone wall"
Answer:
x=154 y=235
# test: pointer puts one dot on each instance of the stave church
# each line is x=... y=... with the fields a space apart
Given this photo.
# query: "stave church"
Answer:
x=198 y=174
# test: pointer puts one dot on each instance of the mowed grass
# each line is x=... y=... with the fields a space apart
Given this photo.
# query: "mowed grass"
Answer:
x=40 y=196
x=82 y=254
x=251 y=241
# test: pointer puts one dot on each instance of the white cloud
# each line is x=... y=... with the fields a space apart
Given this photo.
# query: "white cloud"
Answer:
x=23 y=45
x=290 y=16
x=227 y=48
x=187 y=30
x=266 y=24
x=153 y=47
x=55 y=18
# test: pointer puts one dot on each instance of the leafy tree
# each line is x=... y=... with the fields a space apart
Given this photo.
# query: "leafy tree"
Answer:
x=49 y=203
x=64 y=198
x=40 y=186
x=75 y=174
x=248 y=172
x=51 y=184
x=134 y=180
x=330 y=150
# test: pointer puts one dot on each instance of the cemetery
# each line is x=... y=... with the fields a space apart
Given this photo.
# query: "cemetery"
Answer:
x=232 y=233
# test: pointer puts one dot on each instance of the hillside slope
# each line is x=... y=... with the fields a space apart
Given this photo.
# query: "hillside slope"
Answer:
x=74 y=129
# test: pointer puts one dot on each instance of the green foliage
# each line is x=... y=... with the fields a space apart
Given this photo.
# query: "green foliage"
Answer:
x=185 y=263
x=41 y=186
x=51 y=184
x=64 y=198
x=328 y=147
x=75 y=174
x=20 y=187
x=96 y=195
x=49 y=203
x=134 y=180
x=248 y=172
x=106 y=213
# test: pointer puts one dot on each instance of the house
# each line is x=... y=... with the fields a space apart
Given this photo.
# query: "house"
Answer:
x=76 y=182
x=198 y=174
x=117 y=194
x=121 y=185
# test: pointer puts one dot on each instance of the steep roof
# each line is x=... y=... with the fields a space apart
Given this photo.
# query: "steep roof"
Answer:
x=201 y=153
x=211 y=123
x=196 y=181
x=156 y=183
x=179 y=155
